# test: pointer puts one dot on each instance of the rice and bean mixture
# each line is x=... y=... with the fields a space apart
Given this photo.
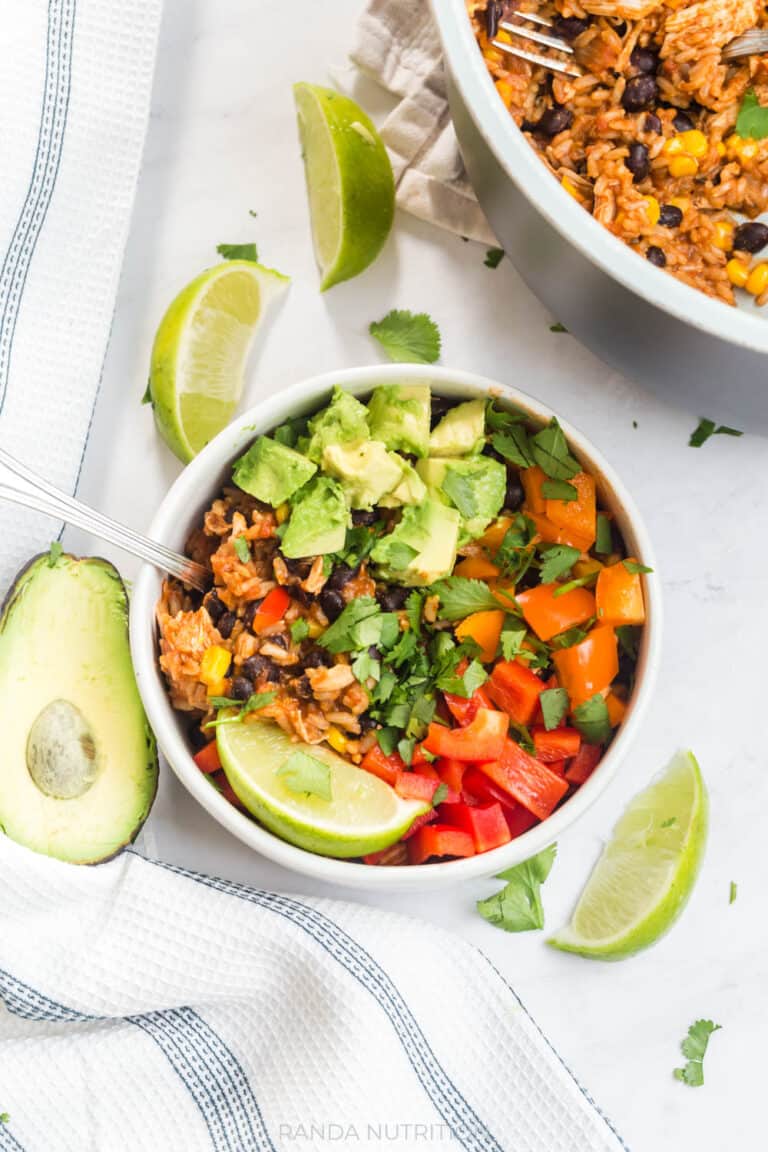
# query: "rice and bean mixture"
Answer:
x=645 y=139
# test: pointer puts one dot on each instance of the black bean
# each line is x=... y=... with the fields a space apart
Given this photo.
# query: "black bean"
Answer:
x=340 y=576
x=366 y=722
x=317 y=658
x=302 y=688
x=281 y=640
x=639 y=93
x=652 y=123
x=391 y=597
x=250 y=611
x=226 y=623
x=670 y=216
x=656 y=256
x=260 y=668
x=620 y=27
x=750 y=237
x=644 y=60
x=439 y=405
x=490 y=451
x=682 y=122
x=214 y=606
x=300 y=594
x=515 y=494
x=295 y=567
x=493 y=13
x=332 y=603
x=361 y=518
x=569 y=27
x=241 y=688
x=637 y=161
x=199 y=739
x=555 y=120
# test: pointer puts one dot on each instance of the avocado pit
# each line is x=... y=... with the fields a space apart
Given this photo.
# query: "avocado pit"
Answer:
x=62 y=757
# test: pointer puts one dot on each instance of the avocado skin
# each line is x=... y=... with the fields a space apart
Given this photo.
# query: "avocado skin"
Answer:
x=12 y=598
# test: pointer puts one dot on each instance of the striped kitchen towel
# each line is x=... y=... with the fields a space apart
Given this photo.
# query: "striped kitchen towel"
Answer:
x=75 y=83
x=158 y=1010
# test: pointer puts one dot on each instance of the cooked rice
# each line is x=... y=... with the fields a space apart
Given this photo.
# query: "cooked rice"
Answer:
x=589 y=157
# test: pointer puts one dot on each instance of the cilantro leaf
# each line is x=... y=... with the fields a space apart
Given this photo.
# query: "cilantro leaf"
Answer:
x=366 y=666
x=440 y=794
x=238 y=252
x=387 y=738
x=242 y=549
x=306 y=775
x=147 y=397
x=514 y=445
x=556 y=561
x=550 y=451
x=502 y=419
x=299 y=630
x=493 y=257
x=604 y=538
x=752 y=120
x=591 y=719
x=693 y=1047
x=414 y=606
x=408 y=337
x=255 y=702
x=340 y=635
x=733 y=892
x=460 y=597
x=554 y=706
x=54 y=552
x=559 y=490
x=635 y=568
x=517 y=907
x=465 y=685
x=558 y=327
x=512 y=635
x=706 y=428
x=629 y=640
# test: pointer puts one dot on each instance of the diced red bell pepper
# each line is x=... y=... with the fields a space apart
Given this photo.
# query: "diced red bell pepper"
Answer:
x=556 y=744
x=207 y=759
x=395 y=854
x=439 y=840
x=451 y=772
x=272 y=608
x=418 y=757
x=464 y=709
x=515 y=689
x=584 y=763
x=477 y=788
x=414 y=786
x=428 y=817
x=385 y=767
x=519 y=820
x=557 y=766
x=485 y=823
x=223 y=785
x=482 y=739
x=526 y=780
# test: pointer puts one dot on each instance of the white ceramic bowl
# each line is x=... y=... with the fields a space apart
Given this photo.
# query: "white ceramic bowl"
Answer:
x=191 y=495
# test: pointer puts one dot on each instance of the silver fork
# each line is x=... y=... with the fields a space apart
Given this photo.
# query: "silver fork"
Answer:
x=751 y=43
x=566 y=67
x=20 y=485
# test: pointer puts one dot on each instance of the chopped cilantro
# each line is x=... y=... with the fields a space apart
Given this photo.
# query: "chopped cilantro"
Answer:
x=733 y=892
x=255 y=702
x=517 y=907
x=299 y=630
x=238 y=252
x=306 y=775
x=399 y=554
x=635 y=568
x=460 y=597
x=554 y=706
x=147 y=396
x=493 y=257
x=558 y=327
x=358 y=544
x=582 y=582
x=465 y=685
x=591 y=719
x=670 y=823
x=629 y=640
x=752 y=120
x=706 y=428
x=514 y=445
x=603 y=539
x=408 y=337
x=54 y=553
x=559 y=490
x=501 y=419
x=556 y=561
x=289 y=433
x=693 y=1047
x=550 y=451
x=440 y=794
x=366 y=667
x=570 y=637
x=242 y=548
x=387 y=738
x=512 y=635
x=414 y=607
x=343 y=634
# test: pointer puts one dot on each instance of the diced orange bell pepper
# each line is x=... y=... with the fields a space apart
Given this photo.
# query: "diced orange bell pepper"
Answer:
x=526 y=780
x=616 y=709
x=379 y=764
x=551 y=533
x=207 y=759
x=451 y=773
x=532 y=480
x=494 y=534
x=588 y=668
x=388 y=857
x=482 y=739
x=577 y=517
x=619 y=596
x=549 y=615
x=515 y=689
x=485 y=629
x=272 y=608
x=476 y=568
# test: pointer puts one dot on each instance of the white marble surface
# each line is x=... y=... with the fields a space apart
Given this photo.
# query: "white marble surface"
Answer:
x=222 y=141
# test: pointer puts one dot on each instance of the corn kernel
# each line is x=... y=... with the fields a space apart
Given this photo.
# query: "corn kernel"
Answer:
x=586 y=567
x=214 y=664
x=748 y=151
x=683 y=166
x=757 y=281
x=681 y=202
x=723 y=235
x=337 y=740
x=673 y=146
x=720 y=148
x=738 y=273
x=694 y=143
x=219 y=688
x=315 y=629
x=652 y=210
x=505 y=91
x=282 y=512
x=570 y=189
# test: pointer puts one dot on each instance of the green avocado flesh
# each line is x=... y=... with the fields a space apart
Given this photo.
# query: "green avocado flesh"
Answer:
x=79 y=768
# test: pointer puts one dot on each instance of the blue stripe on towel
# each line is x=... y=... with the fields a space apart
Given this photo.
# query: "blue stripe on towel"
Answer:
x=447 y=1099
x=8 y=1142
x=53 y=118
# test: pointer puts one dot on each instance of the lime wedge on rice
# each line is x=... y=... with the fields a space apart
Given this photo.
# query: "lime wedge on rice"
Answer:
x=354 y=813
x=200 y=350
x=349 y=181
x=647 y=870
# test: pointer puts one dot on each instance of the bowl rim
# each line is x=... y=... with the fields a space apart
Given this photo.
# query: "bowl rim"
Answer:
x=200 y=476
x=577 y=227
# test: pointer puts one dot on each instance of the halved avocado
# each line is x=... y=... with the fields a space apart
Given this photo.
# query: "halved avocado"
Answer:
x=78 y=770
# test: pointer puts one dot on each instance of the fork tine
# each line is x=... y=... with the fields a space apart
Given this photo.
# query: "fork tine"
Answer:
x=532 y=16
x=535 y=58
x=537 y=37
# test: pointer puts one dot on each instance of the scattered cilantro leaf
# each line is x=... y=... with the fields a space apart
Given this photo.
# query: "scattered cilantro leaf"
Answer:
x=554 y=706
x=603 y=538
x=512 y=635
x=558 y=327
x=299 y=630
x=238 y=252
x=582 y=582
x=733 y=892
x=724 y=430
x=629 y=640
x=514 y=445
x=694 y=1046
x=306 y=775
x=752 y=120
x=465 y=685
x=54 y=553
x=460 y=597
x=242 y=548
x=550 y=451
x=559 y=490
x=571 y=636
x=400 y=554
x=517 y=907
x=387 y=738
x=556 y=561
x=255 y=702
x=408 y=337
x=4 y=1117
x=340 y=635
x=440 y=794
x=366 y=666
x=414 y=606
x=405 y=749
x=493 y=257
x=253 y=213
x=501 y=419
x=670 y=823
x=706 y=428
x=635 y=568
x=591 y=719
x=147 y=397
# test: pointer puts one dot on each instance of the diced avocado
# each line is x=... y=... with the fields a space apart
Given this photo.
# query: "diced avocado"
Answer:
x=411 y=488
x=365 y=468
x=399 y=415
x=79 y=765
x=432 y=472
x=343 y=420
x=319 y=520
x=272 y=472
x=422 y=547
x=461 y=431
x=476 y=486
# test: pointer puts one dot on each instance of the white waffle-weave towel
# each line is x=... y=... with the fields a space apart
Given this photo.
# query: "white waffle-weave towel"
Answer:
x=398 y=46
x=75 y=83
x=154 y=1010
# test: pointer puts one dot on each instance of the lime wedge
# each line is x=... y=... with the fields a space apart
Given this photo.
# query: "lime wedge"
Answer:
x=199 y=354
x=349 y=181
x=647 y=870
x=363 y=814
